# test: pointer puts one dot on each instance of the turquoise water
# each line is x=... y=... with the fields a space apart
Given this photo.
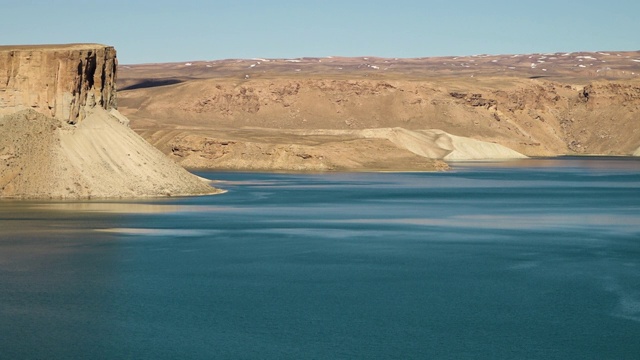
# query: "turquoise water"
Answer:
x=535 y=259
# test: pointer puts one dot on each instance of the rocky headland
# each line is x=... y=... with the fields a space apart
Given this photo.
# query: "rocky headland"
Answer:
x=62 y=137
x=372 y=113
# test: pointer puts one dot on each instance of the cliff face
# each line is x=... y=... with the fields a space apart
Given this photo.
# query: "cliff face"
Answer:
x=59 y=81
x=61 y=136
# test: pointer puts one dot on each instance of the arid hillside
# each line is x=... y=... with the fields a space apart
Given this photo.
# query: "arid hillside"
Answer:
x=384 y=114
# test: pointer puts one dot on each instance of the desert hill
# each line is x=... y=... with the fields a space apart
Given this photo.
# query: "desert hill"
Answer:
x=61 y=136
x=391 y=114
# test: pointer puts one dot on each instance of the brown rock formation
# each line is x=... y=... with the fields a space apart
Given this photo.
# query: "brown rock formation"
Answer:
x=60 y=81
x=61 y=136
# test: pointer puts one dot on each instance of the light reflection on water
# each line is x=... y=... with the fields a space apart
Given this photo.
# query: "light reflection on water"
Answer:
x=628 y=224
x=529 y=259
x=158 y=232
x=123 y=207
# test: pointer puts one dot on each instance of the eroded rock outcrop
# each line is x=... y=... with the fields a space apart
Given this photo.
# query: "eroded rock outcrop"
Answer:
x=60 y=81
x=62 y=137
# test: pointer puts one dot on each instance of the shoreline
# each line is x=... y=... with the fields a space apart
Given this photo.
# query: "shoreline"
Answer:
x=373 y=170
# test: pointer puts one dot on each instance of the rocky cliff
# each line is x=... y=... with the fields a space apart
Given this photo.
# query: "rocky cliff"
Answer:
x=60 y=81
x=62 y=137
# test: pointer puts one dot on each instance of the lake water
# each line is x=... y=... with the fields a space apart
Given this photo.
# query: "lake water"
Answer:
x=534 y=259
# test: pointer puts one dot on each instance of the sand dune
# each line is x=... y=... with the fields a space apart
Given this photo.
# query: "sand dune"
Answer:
x=437 y=144
x=432 y=144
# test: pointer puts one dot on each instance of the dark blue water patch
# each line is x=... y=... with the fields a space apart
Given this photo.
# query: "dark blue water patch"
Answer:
x=492 y=261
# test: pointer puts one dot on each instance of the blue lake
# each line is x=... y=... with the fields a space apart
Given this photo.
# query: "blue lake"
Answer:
x=533 y=259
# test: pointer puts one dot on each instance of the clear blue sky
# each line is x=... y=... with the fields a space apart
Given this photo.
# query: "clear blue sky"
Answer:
x=173 y=30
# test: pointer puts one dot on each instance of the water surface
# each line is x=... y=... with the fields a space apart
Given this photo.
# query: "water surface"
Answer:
x=536 y=259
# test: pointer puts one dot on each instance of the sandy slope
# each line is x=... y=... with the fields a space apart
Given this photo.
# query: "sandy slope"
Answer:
x=437 y=144
x=389 y=149
x=41 y=157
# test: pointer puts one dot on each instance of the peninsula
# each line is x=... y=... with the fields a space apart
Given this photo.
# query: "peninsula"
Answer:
x=62 y=137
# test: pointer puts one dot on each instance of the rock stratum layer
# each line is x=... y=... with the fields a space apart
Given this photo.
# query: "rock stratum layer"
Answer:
x=375 y=113
x=62 y=82
x=61 y=136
